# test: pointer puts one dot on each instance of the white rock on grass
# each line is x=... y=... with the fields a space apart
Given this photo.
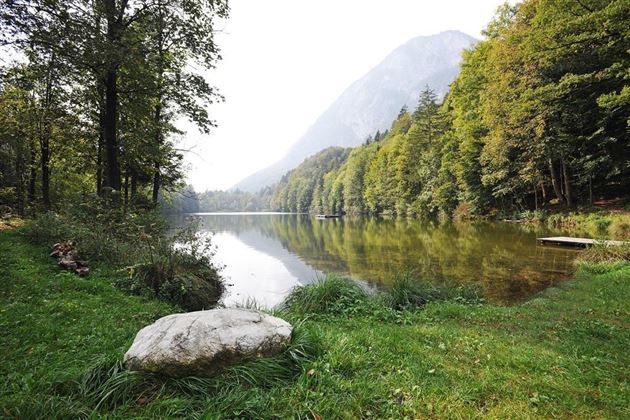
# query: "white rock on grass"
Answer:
x=201 y=343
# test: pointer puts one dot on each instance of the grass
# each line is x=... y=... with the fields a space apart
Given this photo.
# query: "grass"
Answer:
x=562 y=354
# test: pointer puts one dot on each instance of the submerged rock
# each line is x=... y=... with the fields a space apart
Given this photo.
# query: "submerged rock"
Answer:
x=201 y=343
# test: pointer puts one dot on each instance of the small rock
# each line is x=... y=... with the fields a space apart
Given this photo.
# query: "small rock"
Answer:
x=68 y=263
x=82 y=271
x=61 y=249
x=201 y=343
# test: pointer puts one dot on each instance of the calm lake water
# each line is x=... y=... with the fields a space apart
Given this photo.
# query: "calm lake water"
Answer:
x=265 y=254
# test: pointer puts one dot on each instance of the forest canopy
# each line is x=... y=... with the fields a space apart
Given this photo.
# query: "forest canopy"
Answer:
x=89 y=101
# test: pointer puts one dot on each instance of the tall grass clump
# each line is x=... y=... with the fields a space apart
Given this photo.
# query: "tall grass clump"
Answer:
x=620 y=229
x=408 y=292
x=600 y=253
x=107 y=384
x=330 y=295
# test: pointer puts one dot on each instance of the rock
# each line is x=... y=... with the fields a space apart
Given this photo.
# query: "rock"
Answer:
x=62 y=248
x=68 y=263
x=201 y=343
x=82 y=271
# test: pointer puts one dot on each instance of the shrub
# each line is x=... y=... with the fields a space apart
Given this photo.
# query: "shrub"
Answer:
x=463 y=212
x=178 y=270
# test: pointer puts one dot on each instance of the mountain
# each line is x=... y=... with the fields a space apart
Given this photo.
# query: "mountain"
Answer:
x=373 y=102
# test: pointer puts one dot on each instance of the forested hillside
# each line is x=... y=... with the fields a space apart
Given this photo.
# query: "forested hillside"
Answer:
x=370 y=103
x=299 y=189
x=539 y=115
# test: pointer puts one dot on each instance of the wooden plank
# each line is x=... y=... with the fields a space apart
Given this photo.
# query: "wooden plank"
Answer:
x=578 y=242
x=328 y=216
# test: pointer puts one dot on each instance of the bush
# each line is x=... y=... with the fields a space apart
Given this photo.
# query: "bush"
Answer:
x=178 y=269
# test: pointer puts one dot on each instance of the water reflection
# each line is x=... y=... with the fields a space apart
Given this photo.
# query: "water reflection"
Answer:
x=266 y=255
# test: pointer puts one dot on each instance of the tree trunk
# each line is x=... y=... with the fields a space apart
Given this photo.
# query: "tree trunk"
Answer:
x=19 y=179
x=567 y=183
x=45 y=161
x=112 y=172
x=555 y=183
x=101 y=136
x=32 y=179
x=99 y=165
x=114 y=13
x=134 y=185
x=158 y=145
x=126 y=188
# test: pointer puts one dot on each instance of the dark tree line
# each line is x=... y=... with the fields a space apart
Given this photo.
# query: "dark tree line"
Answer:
x=90 y=98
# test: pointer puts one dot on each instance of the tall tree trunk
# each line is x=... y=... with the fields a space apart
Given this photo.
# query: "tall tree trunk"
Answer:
x=555 y=183
x=32 y=179
x=45 y=161
x=158 y=144
x=99 y=165
x=114 y=12
x=134 y=185
x=126 y=188
x=19 y=178
x=45 y=134
x=101 y=136
x=112 y=172
x=567 y=183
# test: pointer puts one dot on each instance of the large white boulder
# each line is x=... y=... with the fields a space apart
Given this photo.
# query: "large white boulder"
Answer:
x=200 y=343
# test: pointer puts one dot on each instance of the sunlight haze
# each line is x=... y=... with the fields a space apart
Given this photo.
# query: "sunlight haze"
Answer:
x=284 y=62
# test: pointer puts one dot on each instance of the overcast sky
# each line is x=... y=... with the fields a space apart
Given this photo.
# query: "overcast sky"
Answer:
x=285 y=61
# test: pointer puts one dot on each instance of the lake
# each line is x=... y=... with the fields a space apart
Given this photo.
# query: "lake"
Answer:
x=265 y=255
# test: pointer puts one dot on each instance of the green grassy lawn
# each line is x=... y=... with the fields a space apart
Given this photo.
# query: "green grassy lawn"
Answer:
x=563 y=354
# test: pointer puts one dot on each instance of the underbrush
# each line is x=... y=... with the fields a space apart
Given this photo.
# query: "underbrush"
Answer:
x=173 y=266
x=598 y=224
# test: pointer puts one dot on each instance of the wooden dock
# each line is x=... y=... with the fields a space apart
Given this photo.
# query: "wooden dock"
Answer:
x=576 y=242
x=328 y=216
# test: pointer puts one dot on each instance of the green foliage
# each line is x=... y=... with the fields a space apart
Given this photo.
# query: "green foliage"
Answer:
x=296 y=189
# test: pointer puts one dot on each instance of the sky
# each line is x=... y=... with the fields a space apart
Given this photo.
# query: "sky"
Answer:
x=285 y=61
